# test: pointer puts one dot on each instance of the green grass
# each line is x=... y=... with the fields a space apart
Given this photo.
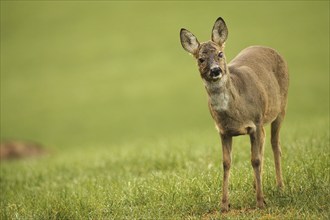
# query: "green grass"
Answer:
x=169 y=178
x=107 y=88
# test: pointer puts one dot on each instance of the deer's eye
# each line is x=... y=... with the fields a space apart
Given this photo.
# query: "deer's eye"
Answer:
x=220 y=54
x=201 y=60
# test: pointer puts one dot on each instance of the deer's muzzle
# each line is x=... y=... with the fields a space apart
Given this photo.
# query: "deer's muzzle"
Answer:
x=215 y=72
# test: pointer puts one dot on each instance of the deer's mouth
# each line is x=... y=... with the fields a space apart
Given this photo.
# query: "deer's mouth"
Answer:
x=215 y=76
x=215 y=73
x=218 y=76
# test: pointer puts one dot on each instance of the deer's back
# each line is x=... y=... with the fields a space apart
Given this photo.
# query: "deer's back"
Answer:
x=261 y=77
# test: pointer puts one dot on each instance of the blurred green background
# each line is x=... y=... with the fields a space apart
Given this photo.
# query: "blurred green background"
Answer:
x=84 y=73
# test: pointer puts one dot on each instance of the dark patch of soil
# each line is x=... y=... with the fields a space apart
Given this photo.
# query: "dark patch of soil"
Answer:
x=17 y=149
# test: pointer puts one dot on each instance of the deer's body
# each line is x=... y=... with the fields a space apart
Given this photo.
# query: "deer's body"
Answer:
x=254 y=92
x=244 y=95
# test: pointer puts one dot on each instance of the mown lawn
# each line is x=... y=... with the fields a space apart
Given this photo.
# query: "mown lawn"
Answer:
x=179 y=177
x=117 y=102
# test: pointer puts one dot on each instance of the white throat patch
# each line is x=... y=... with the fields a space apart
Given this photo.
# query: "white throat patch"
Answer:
x=218 y=95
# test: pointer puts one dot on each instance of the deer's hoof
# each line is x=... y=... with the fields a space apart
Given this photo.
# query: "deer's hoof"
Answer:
x=261 y=204
x=280 y=185
x=225 y=207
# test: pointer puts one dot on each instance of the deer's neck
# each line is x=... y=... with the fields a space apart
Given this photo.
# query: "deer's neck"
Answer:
x=221 y=93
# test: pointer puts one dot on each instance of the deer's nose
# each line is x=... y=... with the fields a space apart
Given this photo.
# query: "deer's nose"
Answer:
x=215 y=71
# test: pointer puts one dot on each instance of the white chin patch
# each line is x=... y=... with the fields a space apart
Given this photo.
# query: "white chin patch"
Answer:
x=217 y=77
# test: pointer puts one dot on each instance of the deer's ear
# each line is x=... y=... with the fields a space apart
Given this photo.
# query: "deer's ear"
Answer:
x=188 y=41
x=219 y=32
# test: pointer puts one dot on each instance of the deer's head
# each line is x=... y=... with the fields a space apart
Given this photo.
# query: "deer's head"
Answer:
x=209 y=55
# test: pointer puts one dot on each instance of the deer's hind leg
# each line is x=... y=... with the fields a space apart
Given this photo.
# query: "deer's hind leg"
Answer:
x=276 y=146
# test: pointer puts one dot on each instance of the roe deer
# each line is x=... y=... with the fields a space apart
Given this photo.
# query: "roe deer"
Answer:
x=243 y=96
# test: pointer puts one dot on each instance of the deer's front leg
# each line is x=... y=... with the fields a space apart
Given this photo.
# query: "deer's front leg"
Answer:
x=257 y=140
x=226 y=157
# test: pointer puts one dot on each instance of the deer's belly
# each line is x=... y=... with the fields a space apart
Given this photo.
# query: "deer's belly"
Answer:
x=233 y=128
